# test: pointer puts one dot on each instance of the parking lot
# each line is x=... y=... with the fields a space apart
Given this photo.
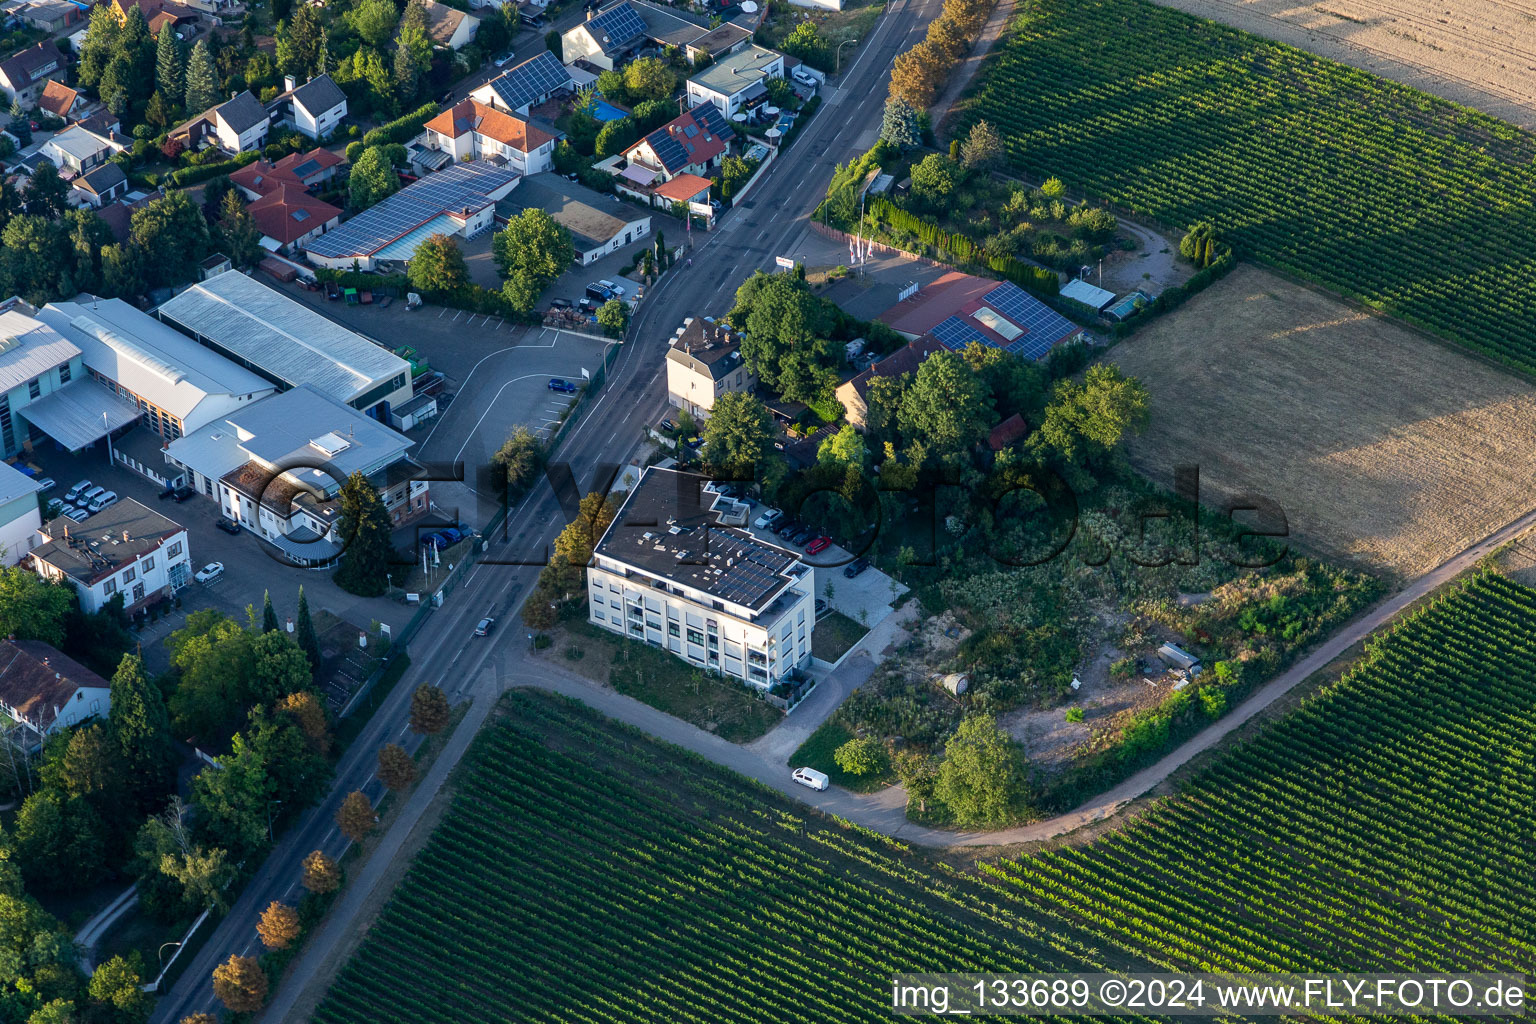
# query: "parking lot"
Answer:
x=866 y=598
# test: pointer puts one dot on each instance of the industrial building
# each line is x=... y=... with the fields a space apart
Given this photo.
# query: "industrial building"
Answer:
x=958 y=309
x=288 y=343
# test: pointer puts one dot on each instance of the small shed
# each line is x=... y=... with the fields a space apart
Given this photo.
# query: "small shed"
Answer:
x=1093 y=297
x=413 y=413
x=1177 y=657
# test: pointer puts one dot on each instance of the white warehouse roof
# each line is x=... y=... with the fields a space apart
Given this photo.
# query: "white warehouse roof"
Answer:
x=1089 y=295
x=29 y=348
x=286 y=339
x=150 y=359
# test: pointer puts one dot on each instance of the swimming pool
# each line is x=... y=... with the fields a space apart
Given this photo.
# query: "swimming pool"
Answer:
x=605 y=111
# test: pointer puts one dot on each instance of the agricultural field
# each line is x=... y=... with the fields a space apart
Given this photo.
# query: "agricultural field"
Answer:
x=1476 y=52
x=1418 y=207
x=587 y=873
x=1384 y=448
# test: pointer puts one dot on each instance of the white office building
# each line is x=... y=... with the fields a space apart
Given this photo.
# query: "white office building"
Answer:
x=126 y=549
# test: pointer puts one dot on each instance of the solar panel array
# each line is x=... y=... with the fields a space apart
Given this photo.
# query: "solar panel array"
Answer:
x=714 y=122
x=451 y=189
x=619 y=24
x=535 y=77
x=667 y=149
x=956 y=333
x=754 y=572
x=1043 y=326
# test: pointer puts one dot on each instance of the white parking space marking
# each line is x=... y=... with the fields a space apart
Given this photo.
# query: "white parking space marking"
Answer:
x=475 y=430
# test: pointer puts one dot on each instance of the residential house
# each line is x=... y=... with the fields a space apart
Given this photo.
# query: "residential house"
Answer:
x=703 y=363
x=449 y=27
x=289 y=217
x=59 y=100
x=314 y=109
x=718 y=42
x=77 y=150
x=598 y=224
x=51 y=16
x=100 y=185
x=676 y=570
x=737 y=82
x=238 y=125
x=126 y=549
x=101 y=121
x=157 y=13
x=277 y=466
x=526 y=85
x=44 y=691
x=470 y=130
x=606 y=38
x=853 y=393
x=461 y=200
x=692 y=143
x=1008 y=432
x=24 y=75
x=19 y=514
x=303 y=170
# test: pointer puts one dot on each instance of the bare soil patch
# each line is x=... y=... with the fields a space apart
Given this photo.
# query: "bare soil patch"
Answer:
x=1481 y=53
x=1382 y=448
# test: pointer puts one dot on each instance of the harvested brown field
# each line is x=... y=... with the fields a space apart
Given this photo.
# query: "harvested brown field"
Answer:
x=1481 y=53
x=1383 y=448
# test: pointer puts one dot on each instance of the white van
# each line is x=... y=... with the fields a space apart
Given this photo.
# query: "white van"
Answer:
x=812 y=778
x=106 y=499
x=77 y=490
x=84 y=498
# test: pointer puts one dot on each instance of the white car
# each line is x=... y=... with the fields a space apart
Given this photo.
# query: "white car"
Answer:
x=812 y=778
x=47 y=483
x=804 y=77
x=79 y=515
x=504 y=60
x=210 y=572
x=767 y=519
x=617 y=289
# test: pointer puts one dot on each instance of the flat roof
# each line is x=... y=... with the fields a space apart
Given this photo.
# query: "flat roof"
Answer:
x=1089 y=295
x=149 y=358
x=589 y=216
x=666 y=528
x=96 y=548
x=736 y=71
x=80 y=413
x=297 y=345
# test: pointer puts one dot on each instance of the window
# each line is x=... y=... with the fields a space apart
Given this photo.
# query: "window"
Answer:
x=129 y=575
x=173 y=550
x=109 y=588
x=695 y=637
x=64 y=374
x=672 y=629
x=149 y=563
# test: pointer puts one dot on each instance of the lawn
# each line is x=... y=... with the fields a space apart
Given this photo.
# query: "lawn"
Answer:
x=587 y=872
x=1421 y=208
x=719 y=705
x=816 y=752
x=1367 y=434
x=834 y=635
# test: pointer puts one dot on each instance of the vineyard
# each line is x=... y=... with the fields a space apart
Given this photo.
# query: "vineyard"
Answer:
x=585 y=873
x=1418 y=207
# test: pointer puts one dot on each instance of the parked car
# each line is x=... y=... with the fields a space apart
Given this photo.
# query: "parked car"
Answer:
x=47 y=483
x=617 y=289
x=102 y=501
x=86 y=497
x=560 y=304
x=788 y=528
x=767 y=520
x=561 y=385
x=598 y=293
x=79 y=515
x=183 y=493
x=818 y=545
x=856 y=568
x=210 y=572
x=811 y=777
x=484 y=627
x=804 y=77
x=228 y=526
x=503 y=60
x=801 y=536
x=74 y=492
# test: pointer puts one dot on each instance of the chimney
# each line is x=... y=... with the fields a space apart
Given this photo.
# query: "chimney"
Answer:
x=289 y=83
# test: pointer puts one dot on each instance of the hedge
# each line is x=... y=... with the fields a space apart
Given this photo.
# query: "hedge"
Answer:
x=364 y=280
x=401 y=129
x=1175 y=295
x=184 y=176
x=963 y=249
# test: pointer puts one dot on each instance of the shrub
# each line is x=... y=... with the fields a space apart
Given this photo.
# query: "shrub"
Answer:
x=862 y=757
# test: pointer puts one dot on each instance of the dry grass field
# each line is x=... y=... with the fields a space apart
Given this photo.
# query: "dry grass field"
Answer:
x=1383 y=448
x=1478 y=52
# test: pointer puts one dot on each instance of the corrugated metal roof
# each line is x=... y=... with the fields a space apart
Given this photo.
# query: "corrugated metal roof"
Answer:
x=285 y=338
x=147 y=357
x=79 y=413
x=15 y=484
x=29 y=348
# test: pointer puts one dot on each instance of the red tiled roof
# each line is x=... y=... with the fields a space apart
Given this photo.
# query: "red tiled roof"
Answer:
x=904 y=360
x=58 y=99
x=1007 y=432
x=474 y=116
x=936 y=302
x=261 y=177
x=289 y=212
x=682 y=188
x=322 y=159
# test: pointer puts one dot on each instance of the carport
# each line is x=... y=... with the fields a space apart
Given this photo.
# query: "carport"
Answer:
x=79 y=414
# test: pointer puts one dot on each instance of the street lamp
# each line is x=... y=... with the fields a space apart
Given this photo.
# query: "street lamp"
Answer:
x=108 y=426
x=838 y=68
x=160 y=954
x=269 y=818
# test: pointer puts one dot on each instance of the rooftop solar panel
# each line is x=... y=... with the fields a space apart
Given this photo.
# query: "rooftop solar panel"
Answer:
x=457 y=187
x=535 y=77
x=955 y=333
x=616 y=26
x=667 y=149
x=1043 y=326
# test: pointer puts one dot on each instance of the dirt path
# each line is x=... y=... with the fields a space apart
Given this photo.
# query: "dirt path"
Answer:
x=967 y=70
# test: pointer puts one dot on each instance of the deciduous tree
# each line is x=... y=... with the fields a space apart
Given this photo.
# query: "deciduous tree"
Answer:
x=397 y=770
x=438 y=266
x=613 y=317
x=519 y=458
x=982 y=779
x=309 y=715
x=738 y=437
x=355 y=817
x=240 y=984
x=371 y=179
x=118 y=985
x=862 y=757
x=429 y=710
x=649 y=78
x=946 y=406
x=279 y=926
x=917 y=75
x=32 y=608
x=321 y=875
x=534 y=243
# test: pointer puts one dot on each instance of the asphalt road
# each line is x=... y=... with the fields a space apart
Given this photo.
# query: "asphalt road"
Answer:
x=748 y=237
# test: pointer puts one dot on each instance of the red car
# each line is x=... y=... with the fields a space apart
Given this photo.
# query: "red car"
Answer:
x=818 y=545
